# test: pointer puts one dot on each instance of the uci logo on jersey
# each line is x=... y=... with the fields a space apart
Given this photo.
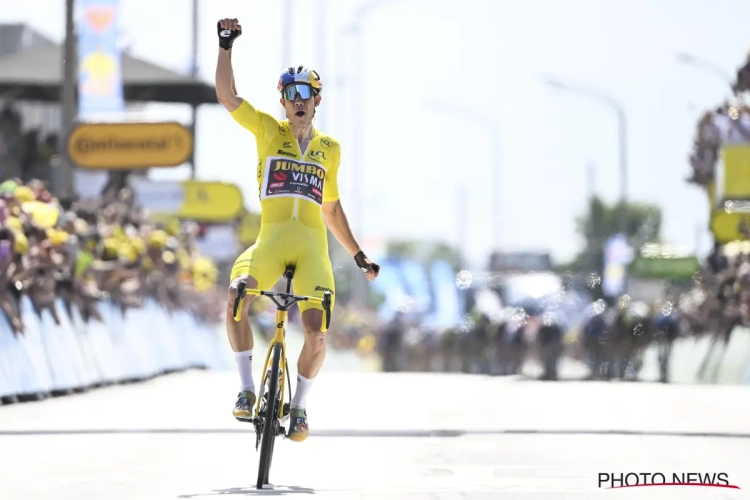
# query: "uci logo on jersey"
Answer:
x=317 y=154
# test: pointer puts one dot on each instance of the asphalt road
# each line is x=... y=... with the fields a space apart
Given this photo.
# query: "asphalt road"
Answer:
x=379 y=436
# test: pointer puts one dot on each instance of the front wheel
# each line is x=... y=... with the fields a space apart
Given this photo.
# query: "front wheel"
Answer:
x=270 y=419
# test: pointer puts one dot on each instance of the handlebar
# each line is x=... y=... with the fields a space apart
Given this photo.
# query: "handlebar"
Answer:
x=288 y=298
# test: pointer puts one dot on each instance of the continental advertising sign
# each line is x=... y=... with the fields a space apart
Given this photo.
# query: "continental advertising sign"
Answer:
x=129 y=145
x=192 y=200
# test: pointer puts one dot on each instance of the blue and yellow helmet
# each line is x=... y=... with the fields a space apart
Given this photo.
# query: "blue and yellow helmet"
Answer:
x=301 y=75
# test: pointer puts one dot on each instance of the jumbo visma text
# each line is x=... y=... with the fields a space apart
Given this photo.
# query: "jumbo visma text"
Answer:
x=305 y=168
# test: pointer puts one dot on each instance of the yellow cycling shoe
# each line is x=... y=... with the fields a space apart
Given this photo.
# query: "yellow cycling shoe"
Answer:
x=298 y=429
x=243 y=408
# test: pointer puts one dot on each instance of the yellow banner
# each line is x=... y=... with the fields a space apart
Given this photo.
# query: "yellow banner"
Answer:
x=202 y=201
x=129 y=145
x=736 y=175
x=211 y=201
x=727 y=226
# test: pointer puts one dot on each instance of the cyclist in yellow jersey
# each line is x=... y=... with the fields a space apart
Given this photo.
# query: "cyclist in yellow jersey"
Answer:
x=298 y=190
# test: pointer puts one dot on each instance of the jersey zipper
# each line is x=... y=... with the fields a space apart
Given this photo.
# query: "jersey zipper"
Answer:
x=295 y=213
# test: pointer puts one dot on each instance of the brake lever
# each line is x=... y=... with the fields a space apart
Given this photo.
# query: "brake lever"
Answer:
x=327 y=307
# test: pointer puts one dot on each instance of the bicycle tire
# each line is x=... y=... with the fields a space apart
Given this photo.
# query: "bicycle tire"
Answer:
x=270 y=421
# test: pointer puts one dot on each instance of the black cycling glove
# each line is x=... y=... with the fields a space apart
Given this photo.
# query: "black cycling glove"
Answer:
x=226 y=37
x=360 y=260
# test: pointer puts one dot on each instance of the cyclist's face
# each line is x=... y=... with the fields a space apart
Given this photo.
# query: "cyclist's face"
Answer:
x=300 y=111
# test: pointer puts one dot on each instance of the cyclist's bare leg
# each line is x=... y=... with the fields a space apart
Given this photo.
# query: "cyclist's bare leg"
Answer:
x=239 y=332
x=241 y=340
x=314 y=349
x=308 y=366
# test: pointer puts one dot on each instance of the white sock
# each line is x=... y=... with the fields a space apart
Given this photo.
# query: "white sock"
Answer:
x=300 y=393
x=244 y=361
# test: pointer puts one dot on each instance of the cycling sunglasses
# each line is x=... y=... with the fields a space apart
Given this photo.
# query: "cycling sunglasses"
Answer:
x=290 y=91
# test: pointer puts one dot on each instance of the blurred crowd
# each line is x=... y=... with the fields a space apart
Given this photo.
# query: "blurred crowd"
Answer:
x=66 y=258
x=24 y=153
x=610 y=338
x=727 y=124
x=723 y=298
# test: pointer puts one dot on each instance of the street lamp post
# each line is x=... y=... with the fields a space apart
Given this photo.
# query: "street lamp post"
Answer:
x=622 y=130
x=194 y=73
x=64 y=177
x=354 y=30
x=706 y=66
x=493 y=130
x=286 y=40
x=322 y=27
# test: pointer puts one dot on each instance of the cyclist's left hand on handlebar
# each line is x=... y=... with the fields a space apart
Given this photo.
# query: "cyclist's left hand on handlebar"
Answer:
x=370 y=268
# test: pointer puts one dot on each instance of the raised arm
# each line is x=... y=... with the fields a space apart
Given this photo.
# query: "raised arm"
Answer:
x=242 y=111
x=226 y=92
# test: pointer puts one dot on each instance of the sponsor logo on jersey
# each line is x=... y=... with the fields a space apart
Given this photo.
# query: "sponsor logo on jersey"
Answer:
x=314 y=155
x=288 y=177
x=286 y=153
x=287 y=144
x=325 y=143
x=282 y=130
x=323 y=289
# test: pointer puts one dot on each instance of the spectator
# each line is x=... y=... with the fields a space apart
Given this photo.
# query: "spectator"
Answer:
x=101 y=249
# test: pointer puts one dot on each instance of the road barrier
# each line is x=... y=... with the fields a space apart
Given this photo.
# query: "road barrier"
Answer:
x=135 y=345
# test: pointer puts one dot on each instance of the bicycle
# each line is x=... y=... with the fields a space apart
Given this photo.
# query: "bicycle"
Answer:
x=271 y=411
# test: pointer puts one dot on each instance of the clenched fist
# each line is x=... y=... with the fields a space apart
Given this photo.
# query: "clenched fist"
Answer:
x=228 y=30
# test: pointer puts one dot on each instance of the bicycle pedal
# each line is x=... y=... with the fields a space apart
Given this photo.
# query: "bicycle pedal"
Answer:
x=246 y=420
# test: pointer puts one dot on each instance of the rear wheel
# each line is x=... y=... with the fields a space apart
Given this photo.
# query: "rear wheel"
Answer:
x=270 y=419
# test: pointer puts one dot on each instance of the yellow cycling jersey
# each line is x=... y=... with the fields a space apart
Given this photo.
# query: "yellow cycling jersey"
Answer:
x=292 y=184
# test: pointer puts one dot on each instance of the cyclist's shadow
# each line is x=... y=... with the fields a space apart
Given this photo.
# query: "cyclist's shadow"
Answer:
x=271 y=491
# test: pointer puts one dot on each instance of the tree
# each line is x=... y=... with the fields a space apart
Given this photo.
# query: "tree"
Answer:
x=403 y=249
x=443 y=251
x=425 y=252
x=643 y=224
